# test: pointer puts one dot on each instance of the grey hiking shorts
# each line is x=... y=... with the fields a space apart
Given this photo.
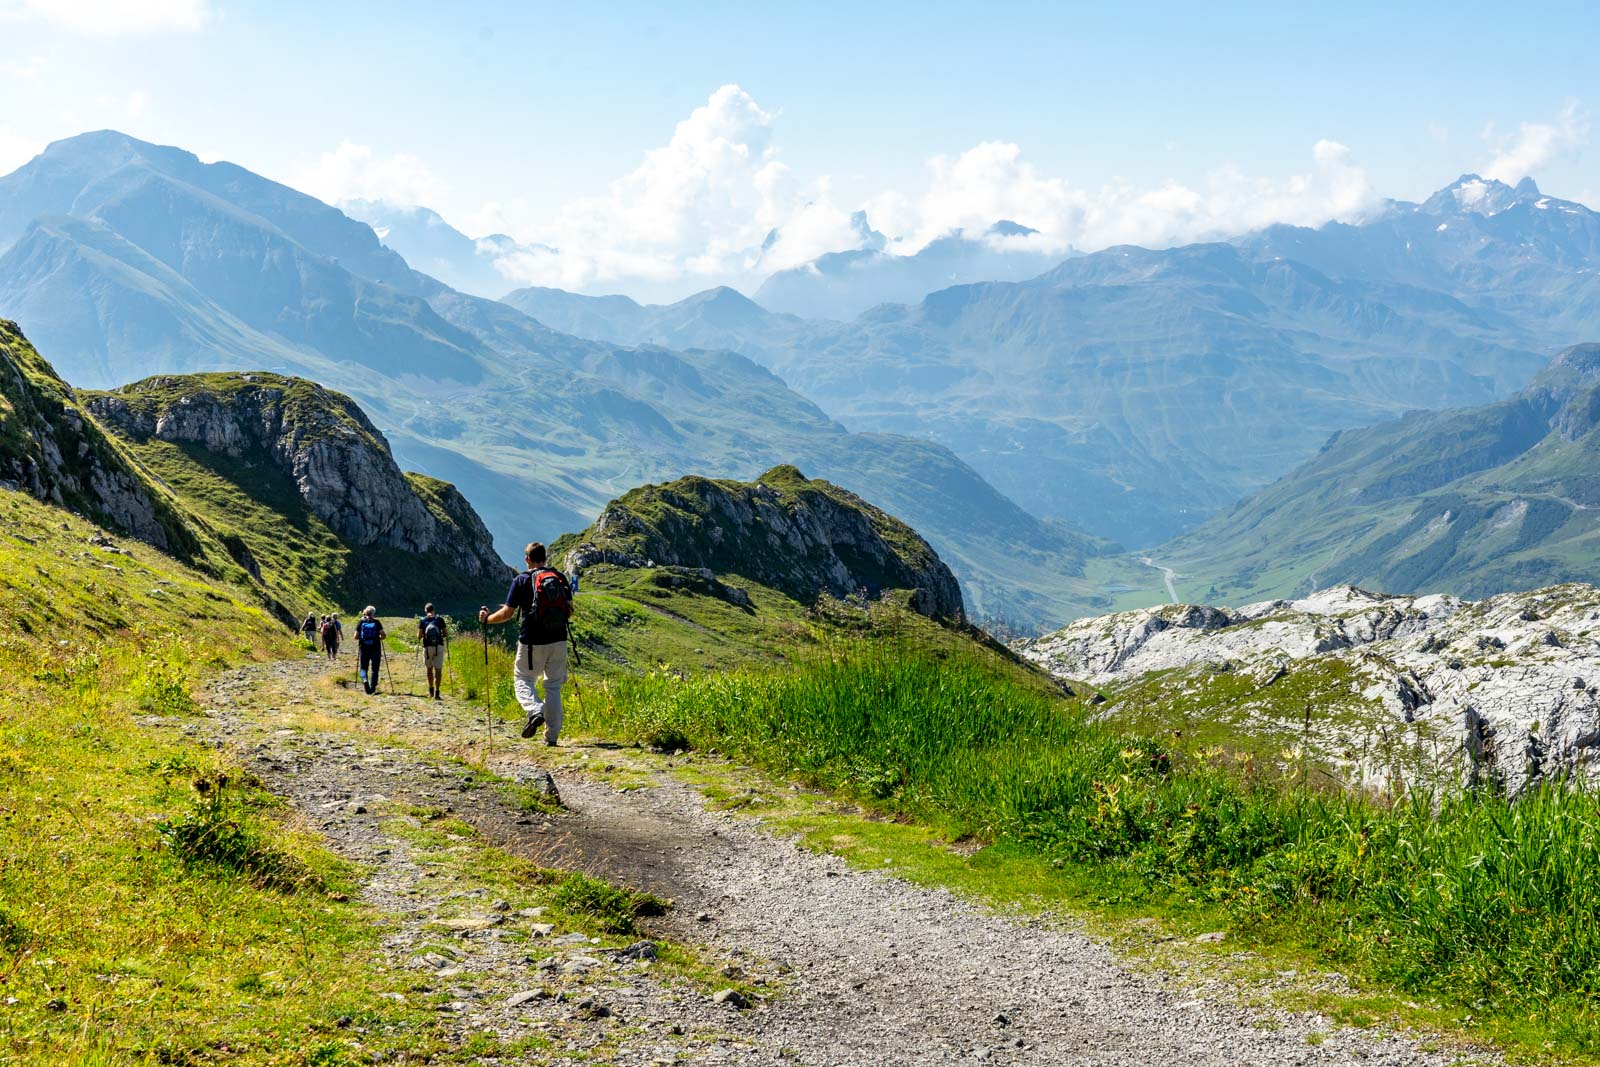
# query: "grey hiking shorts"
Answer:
x=433 y=657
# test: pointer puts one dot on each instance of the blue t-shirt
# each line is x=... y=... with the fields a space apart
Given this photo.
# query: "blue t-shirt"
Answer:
x=534 y=631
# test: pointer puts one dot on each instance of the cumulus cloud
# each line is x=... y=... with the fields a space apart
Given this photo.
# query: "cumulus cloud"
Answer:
x=111 y=18
x=698 y=208
x=715 y=205
x=355 y=172
x=1536 y=144
x=992 y=181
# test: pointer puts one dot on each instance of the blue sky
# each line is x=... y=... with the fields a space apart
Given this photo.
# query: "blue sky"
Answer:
x=1153 y=123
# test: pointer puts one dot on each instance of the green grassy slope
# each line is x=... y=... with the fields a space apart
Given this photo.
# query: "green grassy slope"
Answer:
x=117 y=948
x=1472 y=501
x=258 y=510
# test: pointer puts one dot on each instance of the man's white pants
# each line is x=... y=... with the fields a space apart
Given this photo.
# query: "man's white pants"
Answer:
x=550 y=663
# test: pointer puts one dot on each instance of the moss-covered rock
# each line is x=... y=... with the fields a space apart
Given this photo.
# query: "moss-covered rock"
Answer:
x=340 y=463
x=52 y=449
x=802 y=537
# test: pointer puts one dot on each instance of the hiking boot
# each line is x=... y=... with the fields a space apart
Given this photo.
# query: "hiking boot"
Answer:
x=551 y=744
x=534 y=721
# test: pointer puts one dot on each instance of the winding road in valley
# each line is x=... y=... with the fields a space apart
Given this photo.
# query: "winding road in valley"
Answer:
x=1168 y=575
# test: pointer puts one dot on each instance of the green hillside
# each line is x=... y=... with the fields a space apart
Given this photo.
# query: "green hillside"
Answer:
x=299 y=484
x=268 y=483
x=1473 y=501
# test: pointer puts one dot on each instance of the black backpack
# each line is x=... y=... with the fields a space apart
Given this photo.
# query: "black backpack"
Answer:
x=432 y=632
x=552 y=596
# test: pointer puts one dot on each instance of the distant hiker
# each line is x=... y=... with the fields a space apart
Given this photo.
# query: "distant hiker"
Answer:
x=369 y=647
x=309 y=628
x=432 y=633
x=330 y=636
x=543 y=597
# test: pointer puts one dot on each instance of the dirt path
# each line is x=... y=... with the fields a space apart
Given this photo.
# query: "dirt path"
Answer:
x=863 y=968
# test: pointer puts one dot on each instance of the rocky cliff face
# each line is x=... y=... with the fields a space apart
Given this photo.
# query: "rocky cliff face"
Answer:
x=339 y=462
x=52 y=450
x=1499 y=691
x=802 y=537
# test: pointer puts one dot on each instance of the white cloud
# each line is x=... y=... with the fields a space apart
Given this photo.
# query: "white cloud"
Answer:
x=696 y=211
x=1535 y=144
x=28 y=71
x=136 y=103
x=992 y=181
x=111 y=18
x=355 y=172
x=15 y=150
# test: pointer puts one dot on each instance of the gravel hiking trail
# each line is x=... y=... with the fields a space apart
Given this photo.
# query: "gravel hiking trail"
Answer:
x=850 y=967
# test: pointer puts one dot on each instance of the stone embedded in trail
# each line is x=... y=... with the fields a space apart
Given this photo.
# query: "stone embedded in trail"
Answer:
x=731 y=998
x=516 y=1000
x=1212 y=938
x=466 y=923
x=540 y=781
x=430 y=961
x=639 y=950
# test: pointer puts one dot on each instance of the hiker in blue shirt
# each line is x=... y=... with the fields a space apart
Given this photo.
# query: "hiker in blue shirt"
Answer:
x=369 y=646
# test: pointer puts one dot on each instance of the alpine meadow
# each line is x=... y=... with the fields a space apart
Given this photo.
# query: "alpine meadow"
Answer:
x=539 y=535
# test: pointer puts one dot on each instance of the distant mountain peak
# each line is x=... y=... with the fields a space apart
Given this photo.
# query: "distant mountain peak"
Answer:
x=1007 y=228
x=1473 y=194
x=871 y=240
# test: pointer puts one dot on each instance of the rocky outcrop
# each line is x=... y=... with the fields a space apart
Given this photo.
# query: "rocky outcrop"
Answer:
x=340 y=463
x=50 y=449
x=799 y=536
x=1499 y=691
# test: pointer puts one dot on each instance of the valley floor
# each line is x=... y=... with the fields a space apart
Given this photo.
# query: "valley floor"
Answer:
x=842 y=966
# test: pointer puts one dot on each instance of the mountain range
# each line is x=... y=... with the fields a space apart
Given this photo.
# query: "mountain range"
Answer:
x=1139 y=391
x=125 y=259
x=1025 y=427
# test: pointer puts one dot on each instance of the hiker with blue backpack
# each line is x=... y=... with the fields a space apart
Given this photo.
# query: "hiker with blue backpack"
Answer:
x=433 y=634
x=369 y=646
x=542 y=596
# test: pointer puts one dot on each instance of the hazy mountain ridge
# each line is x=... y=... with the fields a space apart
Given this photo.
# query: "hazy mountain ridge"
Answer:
x=842 y=285
x=1134 y=390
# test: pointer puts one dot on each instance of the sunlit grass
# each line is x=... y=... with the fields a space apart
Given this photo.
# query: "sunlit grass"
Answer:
x=1475 y=900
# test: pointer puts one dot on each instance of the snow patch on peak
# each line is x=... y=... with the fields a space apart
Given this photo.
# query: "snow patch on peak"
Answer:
x=1470 y=194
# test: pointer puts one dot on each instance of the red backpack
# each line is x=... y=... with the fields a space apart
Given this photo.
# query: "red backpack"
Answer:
x=552 y=596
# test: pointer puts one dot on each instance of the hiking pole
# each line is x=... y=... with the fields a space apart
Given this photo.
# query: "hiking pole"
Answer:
x=388 y=671
x=488 y=721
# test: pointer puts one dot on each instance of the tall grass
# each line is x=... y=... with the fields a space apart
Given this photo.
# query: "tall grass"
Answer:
x=1472 y=898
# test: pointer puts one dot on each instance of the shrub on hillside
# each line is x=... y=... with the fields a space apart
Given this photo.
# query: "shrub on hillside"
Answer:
x=221 y=831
